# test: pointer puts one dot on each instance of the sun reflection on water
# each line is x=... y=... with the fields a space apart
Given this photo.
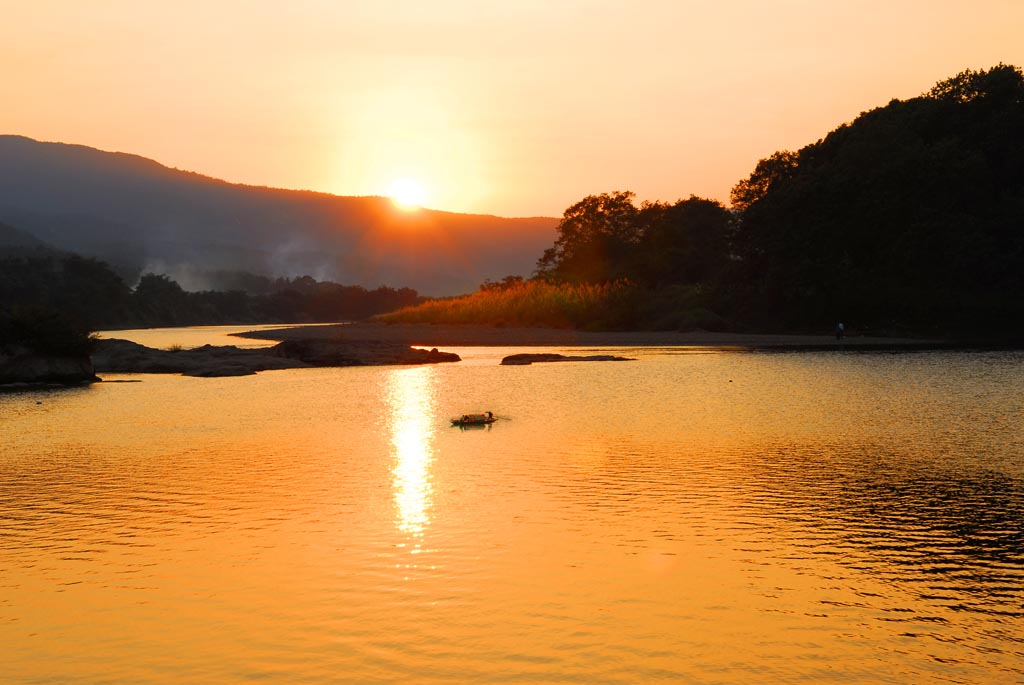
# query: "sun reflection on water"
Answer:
x=411 y=400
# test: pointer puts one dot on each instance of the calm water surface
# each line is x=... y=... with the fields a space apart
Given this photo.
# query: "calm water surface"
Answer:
x=683 y=518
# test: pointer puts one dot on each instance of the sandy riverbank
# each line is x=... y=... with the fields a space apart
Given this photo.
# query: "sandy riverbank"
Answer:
x=489 y=336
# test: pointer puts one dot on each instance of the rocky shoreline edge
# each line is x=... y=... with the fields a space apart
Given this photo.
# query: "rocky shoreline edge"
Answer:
x=122 y=356
x=25 y=369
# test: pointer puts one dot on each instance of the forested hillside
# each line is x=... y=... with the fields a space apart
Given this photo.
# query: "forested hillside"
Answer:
x=911 y=215
x=909 y=219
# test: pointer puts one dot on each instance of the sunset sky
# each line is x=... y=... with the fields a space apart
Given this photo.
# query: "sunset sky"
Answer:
x=510 y=108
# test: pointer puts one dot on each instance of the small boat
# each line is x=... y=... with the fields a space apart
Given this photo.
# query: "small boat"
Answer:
x=475 y=419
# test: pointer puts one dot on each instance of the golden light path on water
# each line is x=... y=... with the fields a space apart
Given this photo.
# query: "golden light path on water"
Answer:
x=410 y=397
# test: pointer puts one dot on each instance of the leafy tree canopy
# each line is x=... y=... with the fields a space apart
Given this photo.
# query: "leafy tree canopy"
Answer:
x=594 y=237
x=911 y=215
x=1001 y=82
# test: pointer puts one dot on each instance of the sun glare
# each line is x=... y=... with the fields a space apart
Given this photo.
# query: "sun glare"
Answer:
x=407 y=193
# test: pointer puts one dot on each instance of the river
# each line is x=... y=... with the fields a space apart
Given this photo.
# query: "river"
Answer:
x=687 y=517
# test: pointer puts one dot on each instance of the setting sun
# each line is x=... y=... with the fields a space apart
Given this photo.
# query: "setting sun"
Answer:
x=407 y=193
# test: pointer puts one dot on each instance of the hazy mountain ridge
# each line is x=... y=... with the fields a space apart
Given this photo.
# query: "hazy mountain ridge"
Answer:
x=134 y=211
x=11 y=237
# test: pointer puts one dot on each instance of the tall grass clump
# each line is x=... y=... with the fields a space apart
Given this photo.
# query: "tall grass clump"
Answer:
x=531 y=304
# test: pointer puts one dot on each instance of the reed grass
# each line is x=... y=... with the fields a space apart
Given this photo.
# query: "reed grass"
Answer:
x=597 y=307
x=529 y=304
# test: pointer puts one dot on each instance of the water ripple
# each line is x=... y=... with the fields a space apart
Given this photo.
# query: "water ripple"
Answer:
x=686 y=518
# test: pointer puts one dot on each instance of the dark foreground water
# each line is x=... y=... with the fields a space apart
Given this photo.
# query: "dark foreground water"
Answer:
x=683 y=518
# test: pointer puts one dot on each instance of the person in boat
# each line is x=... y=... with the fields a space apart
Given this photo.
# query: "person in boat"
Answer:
x=490 y=416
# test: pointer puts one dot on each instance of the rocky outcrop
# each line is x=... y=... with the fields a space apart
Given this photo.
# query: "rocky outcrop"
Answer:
x=21 y=366
x=358 y=353
x=526 y=359
x=122 y=356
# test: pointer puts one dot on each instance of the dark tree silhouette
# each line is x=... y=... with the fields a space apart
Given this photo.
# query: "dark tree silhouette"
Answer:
x=597 y=237
x=910 y=216
x=768 y=174
x=684 y=243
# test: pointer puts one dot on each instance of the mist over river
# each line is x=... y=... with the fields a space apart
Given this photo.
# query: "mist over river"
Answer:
x=688 y=517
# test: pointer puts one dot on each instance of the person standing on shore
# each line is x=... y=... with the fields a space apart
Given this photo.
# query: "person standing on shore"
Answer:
x=840 y=331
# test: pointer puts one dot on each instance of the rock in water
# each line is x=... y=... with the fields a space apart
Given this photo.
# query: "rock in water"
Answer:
x=326 y=352
x=526 y=359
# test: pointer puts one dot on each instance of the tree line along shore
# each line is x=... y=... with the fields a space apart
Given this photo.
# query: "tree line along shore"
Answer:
x=907 y=221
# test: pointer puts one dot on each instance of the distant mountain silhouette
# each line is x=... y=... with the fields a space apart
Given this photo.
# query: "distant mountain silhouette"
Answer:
x=139 y=214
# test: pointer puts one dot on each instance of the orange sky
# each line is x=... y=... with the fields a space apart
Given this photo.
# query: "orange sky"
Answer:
x=512 y=108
